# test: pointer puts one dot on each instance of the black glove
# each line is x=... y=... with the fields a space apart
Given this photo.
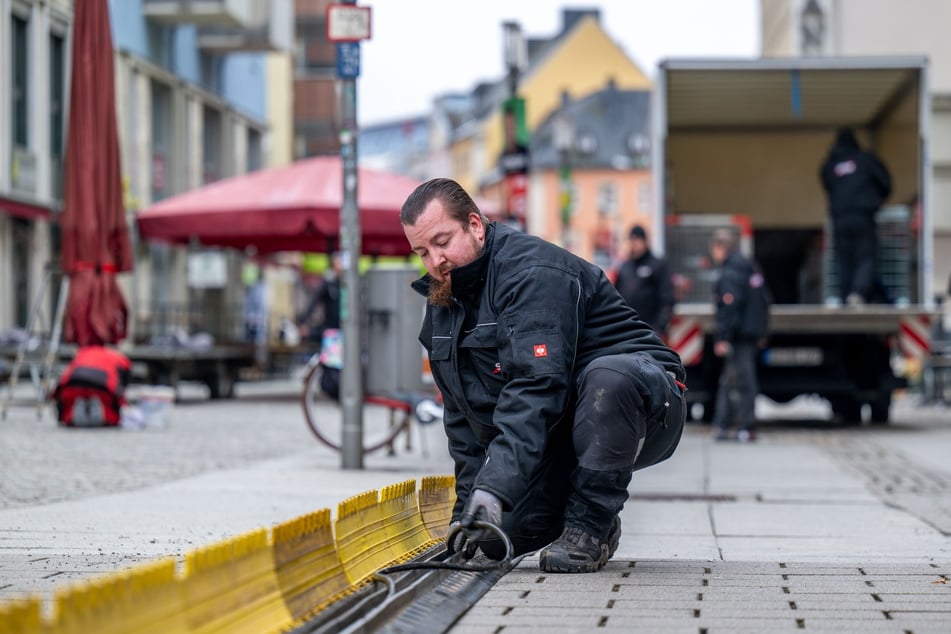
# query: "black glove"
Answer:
x=458 y=541
x=464 y=536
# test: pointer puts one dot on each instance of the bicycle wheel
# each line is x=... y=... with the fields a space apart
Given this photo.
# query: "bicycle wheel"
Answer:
x=383 y=419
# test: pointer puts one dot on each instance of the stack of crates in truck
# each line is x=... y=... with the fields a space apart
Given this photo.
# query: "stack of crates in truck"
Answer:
x=738 y=144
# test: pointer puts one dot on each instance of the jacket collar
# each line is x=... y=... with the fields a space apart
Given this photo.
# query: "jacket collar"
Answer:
x=469 y=279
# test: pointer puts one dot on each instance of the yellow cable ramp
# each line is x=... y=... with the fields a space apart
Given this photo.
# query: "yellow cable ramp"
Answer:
x=267 y=580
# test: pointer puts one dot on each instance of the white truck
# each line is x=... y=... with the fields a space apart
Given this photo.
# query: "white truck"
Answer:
x=739 y=143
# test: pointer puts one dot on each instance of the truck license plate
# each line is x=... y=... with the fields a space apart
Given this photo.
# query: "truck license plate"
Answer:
x=793 y=356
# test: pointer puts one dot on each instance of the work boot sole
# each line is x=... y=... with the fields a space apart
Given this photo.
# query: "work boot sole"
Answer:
x=556 y=560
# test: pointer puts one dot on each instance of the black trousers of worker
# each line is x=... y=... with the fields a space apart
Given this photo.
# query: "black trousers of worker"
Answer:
x=736 y=392
x=629 y=415
x=856 y=247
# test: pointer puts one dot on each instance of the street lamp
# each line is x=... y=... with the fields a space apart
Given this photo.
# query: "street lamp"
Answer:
x=514 y=53
x=564 y=138
x=514 y=158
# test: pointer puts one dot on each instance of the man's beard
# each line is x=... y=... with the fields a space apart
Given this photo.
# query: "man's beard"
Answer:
x=440 y=292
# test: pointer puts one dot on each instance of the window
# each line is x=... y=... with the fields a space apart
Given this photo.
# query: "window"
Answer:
x=607 y=199
x=57 y=110
x=644 y=194
x=210 y=69
x=211 y=145
x=161 y=139
x=19 y=45
x=21 y=258
x=313 y=53
x=254 y=150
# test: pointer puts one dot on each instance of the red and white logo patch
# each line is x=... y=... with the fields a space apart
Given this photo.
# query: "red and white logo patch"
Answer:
x=541 y=350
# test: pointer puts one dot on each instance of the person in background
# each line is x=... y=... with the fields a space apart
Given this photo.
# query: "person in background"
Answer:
x=645 y=283
x=741 y=321
x=255 y=307
x=554 y=391
x=856 y=183
x=323 y=309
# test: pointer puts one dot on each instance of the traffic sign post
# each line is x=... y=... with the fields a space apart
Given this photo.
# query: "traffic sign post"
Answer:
x=347 y=26
x=348 y=60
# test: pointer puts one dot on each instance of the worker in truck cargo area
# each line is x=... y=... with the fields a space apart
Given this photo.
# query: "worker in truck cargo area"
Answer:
x=645 y=283
x=741 y=326
x=857 y=183
x=554 y=391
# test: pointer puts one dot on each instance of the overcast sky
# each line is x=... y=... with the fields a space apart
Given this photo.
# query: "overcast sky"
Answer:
x=423 y=48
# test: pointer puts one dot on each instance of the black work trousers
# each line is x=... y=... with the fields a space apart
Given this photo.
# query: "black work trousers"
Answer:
x=629 y=415
x=856 y=247
x=737 y=389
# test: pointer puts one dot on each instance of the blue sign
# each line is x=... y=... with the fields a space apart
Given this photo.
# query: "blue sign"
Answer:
x=348 y=60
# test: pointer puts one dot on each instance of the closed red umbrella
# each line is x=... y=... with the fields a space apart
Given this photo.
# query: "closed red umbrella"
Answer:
x=95 y=235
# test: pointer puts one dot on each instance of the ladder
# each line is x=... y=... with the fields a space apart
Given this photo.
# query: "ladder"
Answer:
x=41 y=369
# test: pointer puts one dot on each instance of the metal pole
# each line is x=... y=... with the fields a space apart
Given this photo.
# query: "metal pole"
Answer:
x=351 y=380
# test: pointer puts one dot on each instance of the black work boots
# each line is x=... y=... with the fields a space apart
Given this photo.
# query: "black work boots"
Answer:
x=577 y=551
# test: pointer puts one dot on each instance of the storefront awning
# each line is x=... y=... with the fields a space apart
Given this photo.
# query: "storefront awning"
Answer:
x=21 y=209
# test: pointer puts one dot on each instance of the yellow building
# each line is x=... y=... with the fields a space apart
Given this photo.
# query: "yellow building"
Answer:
x=581 y=59
x=610 y=178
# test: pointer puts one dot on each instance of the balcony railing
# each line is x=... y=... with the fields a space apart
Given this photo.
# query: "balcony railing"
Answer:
x=270 y=27
x=229 y=13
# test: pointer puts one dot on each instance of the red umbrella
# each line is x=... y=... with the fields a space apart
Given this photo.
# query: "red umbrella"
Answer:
x=292 y=208
x=95 y=235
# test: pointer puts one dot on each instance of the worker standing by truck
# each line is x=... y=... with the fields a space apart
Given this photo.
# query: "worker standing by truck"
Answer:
x=742 y=325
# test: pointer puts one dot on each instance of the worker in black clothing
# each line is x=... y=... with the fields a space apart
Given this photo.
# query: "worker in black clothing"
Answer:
x=644 y=281
x=323 y=309
x=554 y=391
x=856 y=184
x=741 y=324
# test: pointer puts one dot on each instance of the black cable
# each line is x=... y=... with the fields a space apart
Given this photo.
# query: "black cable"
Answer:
x=505 y=562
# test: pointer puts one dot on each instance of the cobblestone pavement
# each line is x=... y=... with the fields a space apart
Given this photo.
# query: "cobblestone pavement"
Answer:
x=812 y=528
x=718 y=596
x=42 y=463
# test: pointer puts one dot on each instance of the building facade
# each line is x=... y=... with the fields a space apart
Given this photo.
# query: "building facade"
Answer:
x=34 y=61
x=202 y=93
x=881 y=27
x=590 y=173
x=316 y=125
x=195 y=105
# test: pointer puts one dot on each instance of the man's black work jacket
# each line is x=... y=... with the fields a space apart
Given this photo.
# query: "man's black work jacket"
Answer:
x=857 y=184
x=646 y=285
x=734 y=320
x=525 y=318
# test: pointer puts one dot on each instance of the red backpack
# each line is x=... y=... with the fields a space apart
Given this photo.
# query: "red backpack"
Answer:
x=92 y=388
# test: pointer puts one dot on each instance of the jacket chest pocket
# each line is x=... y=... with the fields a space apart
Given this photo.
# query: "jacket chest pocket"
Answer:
x=479 y=350
x=439 y=355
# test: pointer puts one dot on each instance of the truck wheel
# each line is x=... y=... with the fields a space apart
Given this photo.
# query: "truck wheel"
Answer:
x=847 y=410
x=880 y=409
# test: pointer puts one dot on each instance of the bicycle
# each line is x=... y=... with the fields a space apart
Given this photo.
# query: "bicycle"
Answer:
x=385 y=416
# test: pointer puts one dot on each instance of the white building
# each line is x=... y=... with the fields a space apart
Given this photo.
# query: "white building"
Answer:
x=881 y=27
x=34 y=58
